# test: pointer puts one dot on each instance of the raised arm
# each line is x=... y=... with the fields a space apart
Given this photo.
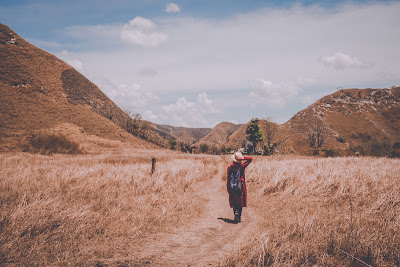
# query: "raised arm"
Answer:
x=248 y=161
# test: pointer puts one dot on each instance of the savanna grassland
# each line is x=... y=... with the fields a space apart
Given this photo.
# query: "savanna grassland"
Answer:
x=99 y=209
x=324 y=212
x=89 y=209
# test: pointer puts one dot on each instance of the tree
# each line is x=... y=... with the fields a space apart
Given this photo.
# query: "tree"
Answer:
x=184 y=147
x=133 y=123
x=172 y=144
x=203 y=148
x=270 y=132
x=255 y=136
x=214 y=150
x=268 y=150
x=316 y=133
x=144 y=130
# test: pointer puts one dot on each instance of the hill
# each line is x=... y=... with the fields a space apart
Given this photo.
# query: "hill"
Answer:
x=366 y=121
x=355 y=120
x=219 y=134
x=41 y=92
x=181 y=134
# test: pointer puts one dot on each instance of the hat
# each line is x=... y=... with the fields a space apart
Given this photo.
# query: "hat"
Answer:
x=237 y=156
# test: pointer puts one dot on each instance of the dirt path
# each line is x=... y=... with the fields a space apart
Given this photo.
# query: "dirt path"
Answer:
x=208 y=239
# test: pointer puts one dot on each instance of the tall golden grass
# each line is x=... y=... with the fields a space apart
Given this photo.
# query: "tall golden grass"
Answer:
x=92 y=209
x=98 y=209
x=324 y=212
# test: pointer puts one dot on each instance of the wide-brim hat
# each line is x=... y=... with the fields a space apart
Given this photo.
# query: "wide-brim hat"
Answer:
x=237 y=156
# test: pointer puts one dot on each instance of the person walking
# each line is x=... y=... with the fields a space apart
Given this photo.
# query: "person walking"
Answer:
x=236 y=184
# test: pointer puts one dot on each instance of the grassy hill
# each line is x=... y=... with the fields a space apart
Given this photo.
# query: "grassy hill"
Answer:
x=355 y=120
x=366 y=121
x=219 y=134
x=182 y=134
x=40 y=92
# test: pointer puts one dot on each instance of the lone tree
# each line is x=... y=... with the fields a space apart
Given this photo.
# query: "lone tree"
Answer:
x=255 y=136
x=270 y=133
x=316 y=135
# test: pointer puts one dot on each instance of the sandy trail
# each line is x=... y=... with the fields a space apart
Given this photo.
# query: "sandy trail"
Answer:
x=207 y=239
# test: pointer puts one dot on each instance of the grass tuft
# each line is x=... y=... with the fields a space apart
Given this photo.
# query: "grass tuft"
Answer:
x=47 y=144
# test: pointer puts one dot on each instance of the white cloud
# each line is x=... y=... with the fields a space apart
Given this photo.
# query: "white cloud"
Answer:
x=206 y=105
x=131 y=96
x=71 y=60
x=77 y=64
x=143 y=32
x=46 y=44
x=223 y=55
x=341 y=61
x=389 y=77
x=275 y=94
x=172 y=8
x=190 y=114
x=149 y=115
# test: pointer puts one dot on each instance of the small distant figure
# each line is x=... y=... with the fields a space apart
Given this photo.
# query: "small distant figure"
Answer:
x=236 y=184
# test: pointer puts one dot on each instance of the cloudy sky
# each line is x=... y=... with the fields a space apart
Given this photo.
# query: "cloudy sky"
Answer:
x=195 y=63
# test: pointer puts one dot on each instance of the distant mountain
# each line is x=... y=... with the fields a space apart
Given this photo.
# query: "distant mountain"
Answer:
x=181 y=134
x=39 y=91
x=354 y=120
x=219 y=134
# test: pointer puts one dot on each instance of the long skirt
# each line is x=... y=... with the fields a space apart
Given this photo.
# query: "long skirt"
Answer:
x=236 y=199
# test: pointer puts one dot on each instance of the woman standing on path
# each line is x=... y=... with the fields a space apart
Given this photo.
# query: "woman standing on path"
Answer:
x=237 y=192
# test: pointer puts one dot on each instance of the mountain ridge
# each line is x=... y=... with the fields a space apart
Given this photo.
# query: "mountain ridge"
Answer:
x=40 y=91
x=365 y=121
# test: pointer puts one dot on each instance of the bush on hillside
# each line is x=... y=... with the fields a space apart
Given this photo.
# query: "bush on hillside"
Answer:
x=47 y=144
x=395 y=153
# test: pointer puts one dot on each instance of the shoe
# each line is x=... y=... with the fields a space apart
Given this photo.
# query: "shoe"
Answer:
x=240 y=218
x=237 y=218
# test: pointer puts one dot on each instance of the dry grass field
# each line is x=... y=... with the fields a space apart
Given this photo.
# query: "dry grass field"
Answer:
x=324 y=212
x=97 y=209
x=84 y=210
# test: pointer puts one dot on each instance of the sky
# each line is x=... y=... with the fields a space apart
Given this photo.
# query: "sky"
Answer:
x=195 y=63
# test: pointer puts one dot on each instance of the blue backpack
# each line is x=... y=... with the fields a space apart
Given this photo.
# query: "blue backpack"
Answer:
x=235 y=183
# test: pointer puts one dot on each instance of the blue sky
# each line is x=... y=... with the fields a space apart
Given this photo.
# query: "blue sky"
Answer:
x=196 y=63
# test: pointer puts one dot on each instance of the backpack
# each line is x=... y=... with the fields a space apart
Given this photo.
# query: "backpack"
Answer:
x=235 y=183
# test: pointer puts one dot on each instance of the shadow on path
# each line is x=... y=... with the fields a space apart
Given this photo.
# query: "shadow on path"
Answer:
x=227 y=220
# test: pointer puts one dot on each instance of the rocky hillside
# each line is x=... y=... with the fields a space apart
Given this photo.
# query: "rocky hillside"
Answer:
x=365 y=121
x=355 y=120
x=39 y=91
